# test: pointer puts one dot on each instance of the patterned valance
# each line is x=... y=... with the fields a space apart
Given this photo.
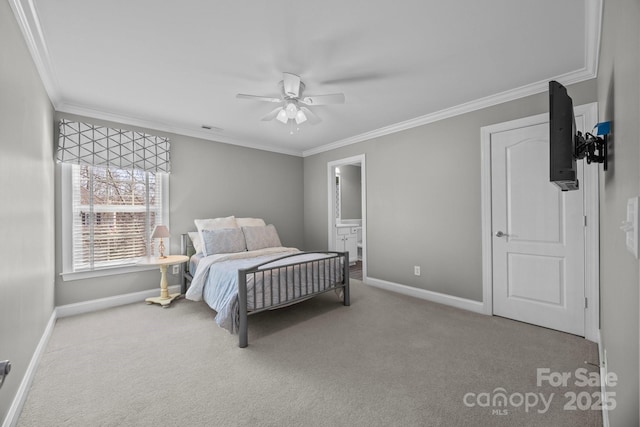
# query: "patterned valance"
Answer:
x=85 y=143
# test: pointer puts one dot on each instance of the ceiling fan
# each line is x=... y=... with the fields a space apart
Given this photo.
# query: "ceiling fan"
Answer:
x=293 y=103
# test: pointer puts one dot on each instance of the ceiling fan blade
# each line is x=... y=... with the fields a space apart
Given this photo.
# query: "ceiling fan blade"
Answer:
x=311 y=117
x=333 y=98
x=272 y=115
x=291 y=85
x=258 y=98
x=359 y=78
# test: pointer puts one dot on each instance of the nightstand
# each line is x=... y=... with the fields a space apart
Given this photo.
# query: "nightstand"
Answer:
x=164 y=299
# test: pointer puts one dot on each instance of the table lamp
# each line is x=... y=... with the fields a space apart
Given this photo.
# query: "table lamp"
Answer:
x=160 y=232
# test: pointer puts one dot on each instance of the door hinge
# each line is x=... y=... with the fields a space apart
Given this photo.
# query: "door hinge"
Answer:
x=586 y=303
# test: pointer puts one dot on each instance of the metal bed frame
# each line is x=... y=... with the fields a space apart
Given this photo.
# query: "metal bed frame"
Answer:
x=297 y=276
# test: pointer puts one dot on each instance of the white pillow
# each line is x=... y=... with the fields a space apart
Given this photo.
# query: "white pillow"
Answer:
x=261 y=237
x=196 y=241
x=213 y=224
x=250 y=222
x=223 y=241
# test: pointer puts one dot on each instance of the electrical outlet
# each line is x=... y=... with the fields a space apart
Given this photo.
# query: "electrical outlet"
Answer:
x=416 y=270
x=176 y=269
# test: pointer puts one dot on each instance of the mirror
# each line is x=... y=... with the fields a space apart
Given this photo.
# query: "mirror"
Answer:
x=348 y=193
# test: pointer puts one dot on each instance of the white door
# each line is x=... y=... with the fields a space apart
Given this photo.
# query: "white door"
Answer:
x=538 y=234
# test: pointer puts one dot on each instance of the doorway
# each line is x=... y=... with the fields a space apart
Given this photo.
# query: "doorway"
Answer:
x=347 y=207
x=540 y=245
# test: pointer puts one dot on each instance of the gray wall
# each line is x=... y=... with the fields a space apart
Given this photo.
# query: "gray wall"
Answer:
x=426 y=211
x=26 y=212
x=619 y=99
x=208 y=179
x=351 y=192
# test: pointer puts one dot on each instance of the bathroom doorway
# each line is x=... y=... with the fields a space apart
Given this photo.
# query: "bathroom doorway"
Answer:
x=347 y=231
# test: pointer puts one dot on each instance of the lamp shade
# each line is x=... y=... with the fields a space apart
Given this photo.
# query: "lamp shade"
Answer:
x=282 y=116
x=300 y=117
x=291 y=110
x=160 y=231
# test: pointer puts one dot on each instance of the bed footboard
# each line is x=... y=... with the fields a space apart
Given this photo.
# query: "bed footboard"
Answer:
x=276 y=283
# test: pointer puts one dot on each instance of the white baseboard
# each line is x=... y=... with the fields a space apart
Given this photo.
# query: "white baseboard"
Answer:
x=462 y=303
x=12 y=416
x=603 y=382
x=11 y=419
x=102 y=303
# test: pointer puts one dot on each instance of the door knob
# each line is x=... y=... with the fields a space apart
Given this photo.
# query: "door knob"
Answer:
x=501 y=234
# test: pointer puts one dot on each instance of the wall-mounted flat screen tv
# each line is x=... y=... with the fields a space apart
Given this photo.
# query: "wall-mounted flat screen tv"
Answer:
x=562 y=139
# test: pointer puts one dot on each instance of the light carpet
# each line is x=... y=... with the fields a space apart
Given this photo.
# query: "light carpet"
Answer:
x=387 y=360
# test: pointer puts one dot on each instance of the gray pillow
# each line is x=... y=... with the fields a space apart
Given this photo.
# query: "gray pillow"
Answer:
x=223 y=241
x=261 y=237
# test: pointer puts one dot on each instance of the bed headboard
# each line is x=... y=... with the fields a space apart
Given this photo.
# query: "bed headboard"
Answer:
x=186 y=245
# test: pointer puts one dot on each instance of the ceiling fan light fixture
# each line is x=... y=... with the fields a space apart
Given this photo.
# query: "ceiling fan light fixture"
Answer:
x=300 y=117
x=293 y=106
x=291 y=110
x=282 y=116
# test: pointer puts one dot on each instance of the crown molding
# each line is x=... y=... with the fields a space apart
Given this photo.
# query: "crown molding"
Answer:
x=593 y=32
x=169 y=128
x=27 y=17
x=29 y=23
x=592 y=28
x=478 y=104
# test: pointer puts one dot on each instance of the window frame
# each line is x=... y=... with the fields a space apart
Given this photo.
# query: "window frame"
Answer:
x=66 y=193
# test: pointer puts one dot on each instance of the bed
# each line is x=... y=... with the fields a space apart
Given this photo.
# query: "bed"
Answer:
x=239 y=268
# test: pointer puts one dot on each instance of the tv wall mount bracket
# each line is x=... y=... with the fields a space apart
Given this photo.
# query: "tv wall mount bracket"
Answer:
x=593 y=147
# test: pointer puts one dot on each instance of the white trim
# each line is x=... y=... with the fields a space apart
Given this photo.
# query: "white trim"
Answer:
x=592 y=233
x=29 y=23
x=592 y=28
x=478 y=104
x=11 y=419
x=331 y=191
x=603 y=382
x=66 y=215
x=592 y=255
x=485 y=220
x=593 y=32
x=109 y=302
x=450 y=300
x=145 y=123
x=109 y=271
x=59 y=312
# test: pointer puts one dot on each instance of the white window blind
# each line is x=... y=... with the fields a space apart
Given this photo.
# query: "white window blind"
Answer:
x=114 y=211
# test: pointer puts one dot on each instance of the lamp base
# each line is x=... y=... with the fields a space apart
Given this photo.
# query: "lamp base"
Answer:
x=164 y=302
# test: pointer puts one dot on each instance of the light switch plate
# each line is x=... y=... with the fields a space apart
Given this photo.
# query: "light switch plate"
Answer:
x=630 y=226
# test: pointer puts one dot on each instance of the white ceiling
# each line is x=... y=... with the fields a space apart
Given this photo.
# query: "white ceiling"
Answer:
x=177 y=65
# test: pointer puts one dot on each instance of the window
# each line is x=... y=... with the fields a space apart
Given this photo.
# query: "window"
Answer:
x=109 y=216
x=114 y=190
